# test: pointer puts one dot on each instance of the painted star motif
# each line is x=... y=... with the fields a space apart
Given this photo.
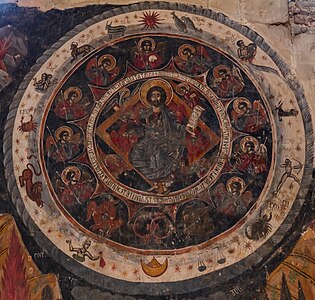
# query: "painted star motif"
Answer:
x=22 y=159
x=190 y=267
x=124 y=273
x=264 y=57
x=17 y=168
x=28 y=96
x=291 y=186
x=16 y=150
x=135 y=271
x=43 y=222
x=298 y=148
x=17 y=141
x=177 y=269
x=248 y=245
x=114 y=267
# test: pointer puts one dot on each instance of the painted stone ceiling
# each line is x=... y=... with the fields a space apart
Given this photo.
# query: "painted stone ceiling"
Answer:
x=163 y=144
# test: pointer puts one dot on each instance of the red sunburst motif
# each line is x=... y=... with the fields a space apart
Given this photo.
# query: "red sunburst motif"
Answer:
x=150 y=20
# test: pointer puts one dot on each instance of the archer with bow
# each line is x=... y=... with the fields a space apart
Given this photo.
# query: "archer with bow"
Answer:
x=288 y=168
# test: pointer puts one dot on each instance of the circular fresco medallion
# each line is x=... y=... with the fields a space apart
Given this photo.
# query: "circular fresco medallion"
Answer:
x=161 y=149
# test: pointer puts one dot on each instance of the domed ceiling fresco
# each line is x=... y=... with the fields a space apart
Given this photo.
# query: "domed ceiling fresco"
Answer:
x=159 y=143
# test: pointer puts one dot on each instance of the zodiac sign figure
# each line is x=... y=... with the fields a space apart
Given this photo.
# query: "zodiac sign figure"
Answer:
x=285 y=113
x=102 y=71
x=33 y=189
x=82 y=252
x=180 y=24
x=115 y=31
x=82 y=50
x=190 y=24
x=44 y=83
x=260 y=228
x=288 y=169
x=147 y=54
x=27 y=126
x=246 y=53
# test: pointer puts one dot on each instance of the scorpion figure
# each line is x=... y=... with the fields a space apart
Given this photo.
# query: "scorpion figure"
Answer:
x=260 y=227
x=27 y=126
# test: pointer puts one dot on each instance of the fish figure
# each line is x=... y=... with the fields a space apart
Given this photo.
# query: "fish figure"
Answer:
x=190 y=24
x=181 y=26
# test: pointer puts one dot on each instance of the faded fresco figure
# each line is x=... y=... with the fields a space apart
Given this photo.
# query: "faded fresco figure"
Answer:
x=193 y=60
x=251 y=156
x=148 y=55
x=64 y=146
x=248 y=117
x=232 y=199
x=72 y=104
x=158 y=153
x=228 y=82
x=102 y=71
x=74 y=188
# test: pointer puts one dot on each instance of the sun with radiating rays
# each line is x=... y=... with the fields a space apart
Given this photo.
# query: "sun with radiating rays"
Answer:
x=150 y=20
